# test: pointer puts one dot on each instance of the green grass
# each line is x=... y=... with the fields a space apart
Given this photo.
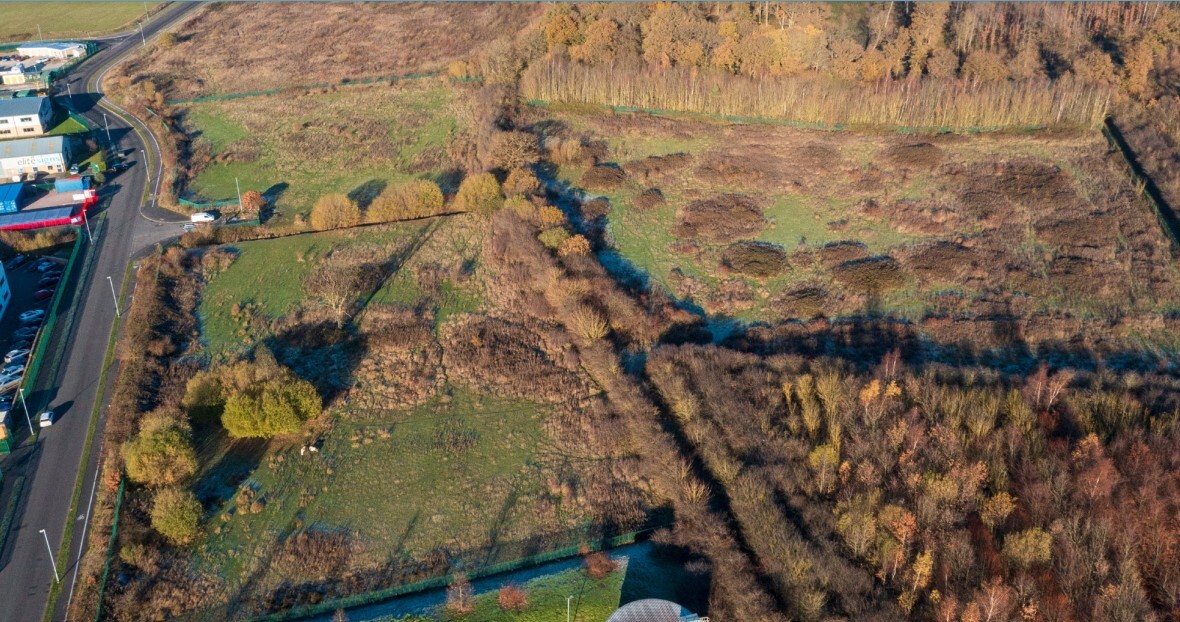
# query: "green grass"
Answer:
x=327 y=142
x=593 y=601
x=267 y=276
x=64 y=20
x=387 y=479
x=68 y=126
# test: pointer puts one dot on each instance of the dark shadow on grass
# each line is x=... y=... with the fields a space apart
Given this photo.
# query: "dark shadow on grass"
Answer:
x=364 y=194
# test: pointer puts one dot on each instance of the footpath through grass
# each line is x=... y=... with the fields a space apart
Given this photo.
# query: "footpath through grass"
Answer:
x=59 y=20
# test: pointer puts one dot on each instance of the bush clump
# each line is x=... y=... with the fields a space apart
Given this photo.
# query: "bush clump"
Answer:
x=513 y=599
x=414 y=199
x=554 y=237
x=873 y=275
x=603 y=177
x=479 y=194
x=724 y=218
x=176 y=514
x=275 y=407
x=756 y=259
x=334 y=211
x=161 y=454
x=650 y=198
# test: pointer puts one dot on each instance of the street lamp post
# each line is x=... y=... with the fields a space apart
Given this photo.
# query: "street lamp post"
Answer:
x=107 y=124
x=143 y=38
x=146 y=167
x=25 y=407
x=109 y=280
x=86 y=221
x=567 y=607
x=239 y=187
x=56 y=577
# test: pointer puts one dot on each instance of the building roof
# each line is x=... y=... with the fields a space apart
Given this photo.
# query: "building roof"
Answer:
x=20 y=105
x=652 y=610
x=32 y=146
x=48 y=217
x=52 y=45
x=10 y=192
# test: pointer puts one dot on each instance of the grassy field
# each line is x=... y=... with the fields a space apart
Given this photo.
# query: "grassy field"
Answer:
x=300 y=147
x=60 y=20
x=866 y=223
x=390 y=480
x=265 y=282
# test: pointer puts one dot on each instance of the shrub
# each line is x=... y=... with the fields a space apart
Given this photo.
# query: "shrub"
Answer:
x=253 y=201
x=603 y=177
x=176 y=514
x=650 y=198
x=414 y=199
x=551 y=216
x=522 y=207
x=521 y=182
x=334 y=211
x=513 y=599
x=161 y=454
x=757 y=259
x=870 y=276
x=554 y=237
x=275 y=407
x=479 y=194
x=724 y=218
x=599 y=565
x=514 y=150
x=588 y=323
x=574 y=245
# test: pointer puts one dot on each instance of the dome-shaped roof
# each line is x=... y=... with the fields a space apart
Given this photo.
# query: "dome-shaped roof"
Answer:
x=652 y=610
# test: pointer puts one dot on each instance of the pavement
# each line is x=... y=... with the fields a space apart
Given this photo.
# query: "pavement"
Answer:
x=51 y=464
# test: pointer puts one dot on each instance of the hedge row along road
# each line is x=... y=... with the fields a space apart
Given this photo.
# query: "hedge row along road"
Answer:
x=53 y=466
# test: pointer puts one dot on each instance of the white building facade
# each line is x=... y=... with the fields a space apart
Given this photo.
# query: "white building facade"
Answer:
x=32 y=156
x=25 y=116
x=52 y=50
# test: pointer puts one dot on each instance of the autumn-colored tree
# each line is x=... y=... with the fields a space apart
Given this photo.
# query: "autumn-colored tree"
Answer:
x=823 y=461
x=1095 y=67
x=460 y=595
x=334 y=211
x=943 y=64
x=1138 y=64
x=575 y=245
x=1028 y=547
x=514 y=149
x=996 y=509
x=521 y=182
x=413 y=199
x=560 y=27
x=512 y=598
x=927 y=21
x=599 y=44
x=276 y=407
x=480 y=194
x=162 y=453
x=985 y=66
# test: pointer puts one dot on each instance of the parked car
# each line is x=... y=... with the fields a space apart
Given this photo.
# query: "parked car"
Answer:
x=26 y=332
x=45 y=265
x=119 y=167
x=8 y=379
x=46 y=419
x=17 y=262
x=49 y=281
x=16 y=355
x=32 y=315
x=73 y=169
x=43 y=294
x=14 y=370
x=22 y=344
x=202 y=217
x=5 y=406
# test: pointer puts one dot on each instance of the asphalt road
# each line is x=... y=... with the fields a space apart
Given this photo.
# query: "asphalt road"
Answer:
x=51 y=466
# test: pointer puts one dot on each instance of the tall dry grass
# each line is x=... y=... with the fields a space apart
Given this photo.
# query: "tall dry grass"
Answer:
x=928 y=103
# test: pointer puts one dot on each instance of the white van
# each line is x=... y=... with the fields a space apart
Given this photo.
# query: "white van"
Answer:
x=202 y=217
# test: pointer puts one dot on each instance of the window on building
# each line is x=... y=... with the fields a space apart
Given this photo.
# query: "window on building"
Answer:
x=5 y=131
x=28 y=130
x=4 y=121
x=26 y=119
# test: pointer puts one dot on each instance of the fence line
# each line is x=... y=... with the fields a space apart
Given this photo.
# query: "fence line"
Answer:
x=102 y=583
x=376 y=596
x=809 y=125
x=1163 y=212
x=34 y=368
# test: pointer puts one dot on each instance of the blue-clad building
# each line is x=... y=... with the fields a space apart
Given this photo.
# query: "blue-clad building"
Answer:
x=10 y=196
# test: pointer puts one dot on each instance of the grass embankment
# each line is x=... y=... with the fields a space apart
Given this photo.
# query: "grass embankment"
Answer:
x=60 y=20
x=300 y=147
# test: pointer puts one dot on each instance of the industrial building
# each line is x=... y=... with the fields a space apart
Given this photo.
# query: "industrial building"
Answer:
x=23 y=207
x=52 y=50
x=30 y=156
x=22 y=73
x=25 y=116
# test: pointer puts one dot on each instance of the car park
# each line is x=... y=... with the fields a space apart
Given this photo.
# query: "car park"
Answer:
x=43 y=294
x=48 y=281
x=46 y=419
x=16 y=355
x=32 y=315
x=17 y=262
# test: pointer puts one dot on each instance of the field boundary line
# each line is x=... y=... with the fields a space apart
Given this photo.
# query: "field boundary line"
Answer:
x=1164 y=214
